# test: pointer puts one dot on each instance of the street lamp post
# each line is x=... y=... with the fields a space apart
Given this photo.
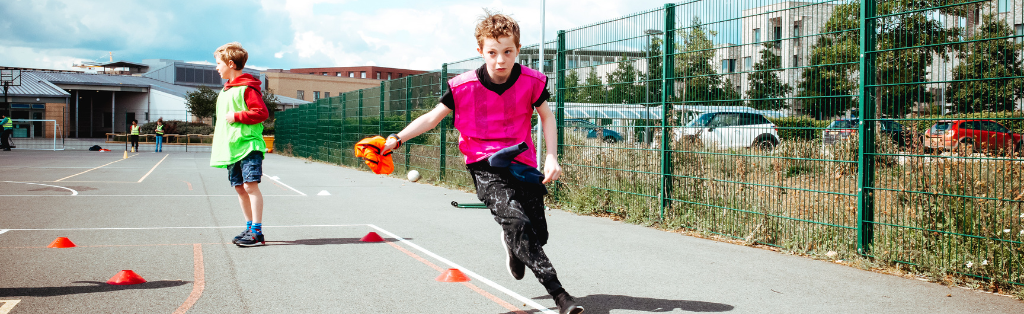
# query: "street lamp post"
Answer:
x=647 y=86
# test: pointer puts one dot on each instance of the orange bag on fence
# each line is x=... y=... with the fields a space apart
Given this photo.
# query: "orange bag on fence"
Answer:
x=369 y=150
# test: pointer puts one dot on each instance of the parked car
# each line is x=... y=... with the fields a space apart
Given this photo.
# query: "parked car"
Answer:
x=584 y=126
x=843 y=129
x=968 y=136
x=731 y=130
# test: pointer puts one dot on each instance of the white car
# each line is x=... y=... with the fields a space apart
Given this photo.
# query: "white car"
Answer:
x=730 y=130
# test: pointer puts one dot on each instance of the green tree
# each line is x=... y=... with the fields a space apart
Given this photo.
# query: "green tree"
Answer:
x=652 y=77
x=202 y=102
x=572 y=86
x=766 y=90
x=593 y=88
x=271 y=100
x=908 y=39
x=989 y=76
x=701 y=84
x=623 y=82
x=730 y=94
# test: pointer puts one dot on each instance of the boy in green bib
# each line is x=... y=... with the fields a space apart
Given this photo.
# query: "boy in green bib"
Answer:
x=238 y=138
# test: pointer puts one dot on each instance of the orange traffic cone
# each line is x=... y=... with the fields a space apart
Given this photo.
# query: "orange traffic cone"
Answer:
x=126 y=277
x=60 y=243
x=372 y=237
x=452 y=275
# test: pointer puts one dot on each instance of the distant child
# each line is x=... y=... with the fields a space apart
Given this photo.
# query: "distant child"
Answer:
x=5 y=136
x=492 y=107
x=159 y=135
x=135 y=136
x=238 y=138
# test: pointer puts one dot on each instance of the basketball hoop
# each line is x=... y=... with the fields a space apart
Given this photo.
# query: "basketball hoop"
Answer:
x=10 y=77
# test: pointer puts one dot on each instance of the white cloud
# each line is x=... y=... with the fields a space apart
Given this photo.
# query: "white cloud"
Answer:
x=39 y=58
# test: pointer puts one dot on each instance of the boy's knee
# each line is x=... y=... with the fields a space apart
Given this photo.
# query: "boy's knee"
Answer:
x=251 y=187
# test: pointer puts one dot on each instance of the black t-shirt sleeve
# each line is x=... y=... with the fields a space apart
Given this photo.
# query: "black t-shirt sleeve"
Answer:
x=447 y=99
x=544 y=95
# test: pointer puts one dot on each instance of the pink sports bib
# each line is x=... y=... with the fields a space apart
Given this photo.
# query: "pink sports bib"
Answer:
x=489 y=122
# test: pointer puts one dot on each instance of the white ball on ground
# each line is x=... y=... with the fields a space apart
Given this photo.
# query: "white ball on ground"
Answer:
x=414 y=175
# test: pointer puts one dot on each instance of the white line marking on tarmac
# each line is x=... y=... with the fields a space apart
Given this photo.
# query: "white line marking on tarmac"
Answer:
x=2 y=231
x=170 y=228
x=8 y=305
x=67 y=177
x=154 y=168
x=129 y=195
x=470 y=273
x=73 y=192
x=282 y=183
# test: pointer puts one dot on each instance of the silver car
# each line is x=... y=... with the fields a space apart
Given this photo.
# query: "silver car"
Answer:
x=731 y=130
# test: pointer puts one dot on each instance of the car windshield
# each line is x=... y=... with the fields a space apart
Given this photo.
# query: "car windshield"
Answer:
x=702 y=120
x=843 y=124
x=941 y=127
x=891 y=126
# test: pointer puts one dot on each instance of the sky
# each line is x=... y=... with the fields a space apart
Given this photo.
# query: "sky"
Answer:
x=278 y=34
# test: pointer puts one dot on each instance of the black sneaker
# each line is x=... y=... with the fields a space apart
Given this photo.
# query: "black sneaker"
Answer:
x=251 y=239
x=567 y=304
x=239 y=236
x=515 y=267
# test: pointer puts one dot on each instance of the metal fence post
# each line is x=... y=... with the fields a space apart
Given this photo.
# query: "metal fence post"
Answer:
x=359 y=119
x=667 y=85
x=444 y=130
x=559 y=97
x=408 y=114
x=380 y=112
x=866 y=157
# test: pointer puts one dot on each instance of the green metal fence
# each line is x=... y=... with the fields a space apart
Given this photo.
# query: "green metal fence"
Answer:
x=888 y=129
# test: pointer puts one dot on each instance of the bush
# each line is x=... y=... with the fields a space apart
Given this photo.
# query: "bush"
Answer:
x=268 y=127
x=803 y=128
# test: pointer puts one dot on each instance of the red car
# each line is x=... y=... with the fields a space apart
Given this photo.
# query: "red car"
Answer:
x=968 y=136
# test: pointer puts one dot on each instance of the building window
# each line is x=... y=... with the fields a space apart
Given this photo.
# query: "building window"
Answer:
x=1019 y=31
x=362 y=74
x=327 y=94
x=323 y=73
x=796 y=34
x=778 y=33
x=378 y=75
x=301 y=95
x=389 y=75
x=337 y=73
x=757 y=35
x=399 y=75
x=351 y=74
x=316 y=95
x=796 y=61
x=748 y=64
x=728 y=65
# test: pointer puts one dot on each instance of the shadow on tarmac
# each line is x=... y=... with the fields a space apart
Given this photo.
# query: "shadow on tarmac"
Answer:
x=95 y=286
x=605 y=303
x=325 y=241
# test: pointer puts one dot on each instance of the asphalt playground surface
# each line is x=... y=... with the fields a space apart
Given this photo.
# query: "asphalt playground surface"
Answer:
x=170 y=217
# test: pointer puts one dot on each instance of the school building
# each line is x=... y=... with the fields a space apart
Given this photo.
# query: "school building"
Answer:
x=311 y=84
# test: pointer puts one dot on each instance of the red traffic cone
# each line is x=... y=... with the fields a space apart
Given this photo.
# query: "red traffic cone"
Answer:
x=452 y=275
x=60 y=243
x=372 y=237
x=126 y=277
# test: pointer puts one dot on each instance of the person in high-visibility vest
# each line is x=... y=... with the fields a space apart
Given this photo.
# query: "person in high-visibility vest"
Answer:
x=159 y=135
x=135 y=135
x=5 y=137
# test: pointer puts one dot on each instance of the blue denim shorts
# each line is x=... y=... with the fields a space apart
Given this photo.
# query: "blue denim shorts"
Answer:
x=249 y=169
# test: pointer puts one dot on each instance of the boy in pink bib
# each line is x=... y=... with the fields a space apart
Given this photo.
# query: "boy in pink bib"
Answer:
x=492 y=107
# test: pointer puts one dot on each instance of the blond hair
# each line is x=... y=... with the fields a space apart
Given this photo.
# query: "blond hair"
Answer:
x=496 y=25
x=232 y=51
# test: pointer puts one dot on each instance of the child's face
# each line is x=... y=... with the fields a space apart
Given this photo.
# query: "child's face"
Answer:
x=500 y=55
x=223 y=68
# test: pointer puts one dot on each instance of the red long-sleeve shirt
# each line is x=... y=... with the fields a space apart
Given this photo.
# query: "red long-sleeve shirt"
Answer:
x=257 y=112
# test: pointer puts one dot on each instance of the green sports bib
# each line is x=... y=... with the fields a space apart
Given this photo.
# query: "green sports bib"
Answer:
x=234 y=141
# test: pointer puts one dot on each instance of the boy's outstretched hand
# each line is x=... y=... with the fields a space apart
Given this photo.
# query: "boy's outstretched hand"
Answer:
x=551 y=169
